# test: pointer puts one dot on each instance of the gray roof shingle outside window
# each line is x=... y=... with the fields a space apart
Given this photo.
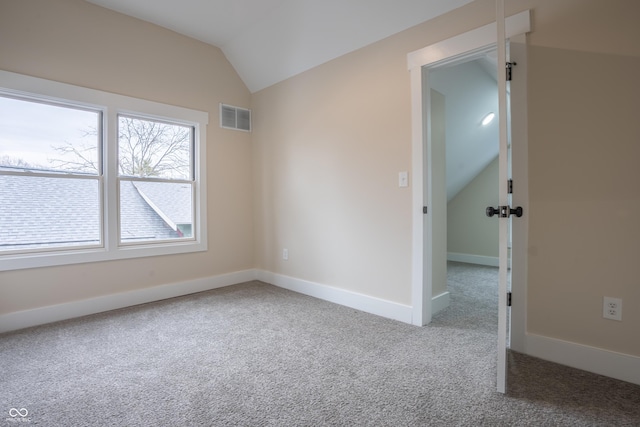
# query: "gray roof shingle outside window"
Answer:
x=57 y=212
x=138 y=220
x=171 y=200
x=37 y=211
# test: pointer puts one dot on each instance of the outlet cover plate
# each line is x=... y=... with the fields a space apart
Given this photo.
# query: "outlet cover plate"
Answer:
x=612 y=308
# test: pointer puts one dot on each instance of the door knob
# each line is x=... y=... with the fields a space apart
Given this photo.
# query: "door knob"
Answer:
x=491 y=211
x=504 y=211
x=517 y=211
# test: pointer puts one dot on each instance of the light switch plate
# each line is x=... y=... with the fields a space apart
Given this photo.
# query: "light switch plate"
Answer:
x=403 y=179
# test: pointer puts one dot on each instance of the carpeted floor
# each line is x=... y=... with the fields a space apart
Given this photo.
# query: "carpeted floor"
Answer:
x=257 y=355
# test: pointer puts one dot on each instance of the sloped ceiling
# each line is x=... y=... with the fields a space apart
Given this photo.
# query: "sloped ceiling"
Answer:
x=471 y=92
x=268 y=41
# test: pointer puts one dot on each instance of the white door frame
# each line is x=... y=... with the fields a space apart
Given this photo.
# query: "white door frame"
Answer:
x=446 y=50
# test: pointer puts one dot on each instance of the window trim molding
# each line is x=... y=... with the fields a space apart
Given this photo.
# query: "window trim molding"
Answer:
x=111 y=105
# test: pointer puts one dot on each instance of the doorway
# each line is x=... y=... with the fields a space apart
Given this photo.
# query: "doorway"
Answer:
x=464 y=150
x=423 y=247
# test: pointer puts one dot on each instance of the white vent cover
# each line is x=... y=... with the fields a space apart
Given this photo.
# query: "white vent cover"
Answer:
x=235 y=118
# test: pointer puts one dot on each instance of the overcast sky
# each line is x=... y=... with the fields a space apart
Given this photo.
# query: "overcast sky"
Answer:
x=30 y=130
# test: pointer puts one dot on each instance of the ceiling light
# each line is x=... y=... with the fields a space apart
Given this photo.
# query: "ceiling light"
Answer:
x=488 y=119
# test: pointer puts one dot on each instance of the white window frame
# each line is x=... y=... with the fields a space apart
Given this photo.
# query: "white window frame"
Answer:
x=111 y=105
x=191 y=180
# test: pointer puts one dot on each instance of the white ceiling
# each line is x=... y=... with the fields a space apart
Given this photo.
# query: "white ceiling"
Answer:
x=268 y=41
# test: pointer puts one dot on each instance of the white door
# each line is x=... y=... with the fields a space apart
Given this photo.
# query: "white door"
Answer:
x=503 y=200
x=505 y=212
x=421 y=280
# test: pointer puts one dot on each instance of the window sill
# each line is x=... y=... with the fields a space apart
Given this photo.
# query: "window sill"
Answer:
x=23 y=261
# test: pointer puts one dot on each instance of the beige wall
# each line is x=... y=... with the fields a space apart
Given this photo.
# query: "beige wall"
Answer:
x=584 y=188
x=328 y=148
x=75 y=42
x=469 y=230
x=329 y=143
x=584 y=193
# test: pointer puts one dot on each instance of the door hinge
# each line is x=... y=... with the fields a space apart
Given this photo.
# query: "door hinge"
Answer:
x=509 y=66
x=424 y=209
x=510 y=186
x=508 y=299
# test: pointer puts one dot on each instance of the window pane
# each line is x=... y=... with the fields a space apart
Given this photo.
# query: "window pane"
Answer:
x=49 y=138
x=43 y=212
x=149 y=148
x=155 y=211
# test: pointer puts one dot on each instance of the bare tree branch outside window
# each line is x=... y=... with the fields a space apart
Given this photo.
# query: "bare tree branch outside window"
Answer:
x=78 y=157
x=145 y=149
x=154 y=149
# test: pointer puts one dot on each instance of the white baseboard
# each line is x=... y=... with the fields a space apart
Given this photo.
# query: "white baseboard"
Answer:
x=473 y=259
x=620 y=366
x=377 y=306
x=440 y=302
x=54 y=313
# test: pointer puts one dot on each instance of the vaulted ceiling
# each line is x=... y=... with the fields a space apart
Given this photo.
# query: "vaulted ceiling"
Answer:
x=268 y=41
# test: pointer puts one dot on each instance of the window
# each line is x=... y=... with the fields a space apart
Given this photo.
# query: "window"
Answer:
x=155 y=180
x=90 y=176
x=50 y=177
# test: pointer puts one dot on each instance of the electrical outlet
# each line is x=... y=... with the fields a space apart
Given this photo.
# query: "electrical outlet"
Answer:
x=285 y=254
x=612 y=308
